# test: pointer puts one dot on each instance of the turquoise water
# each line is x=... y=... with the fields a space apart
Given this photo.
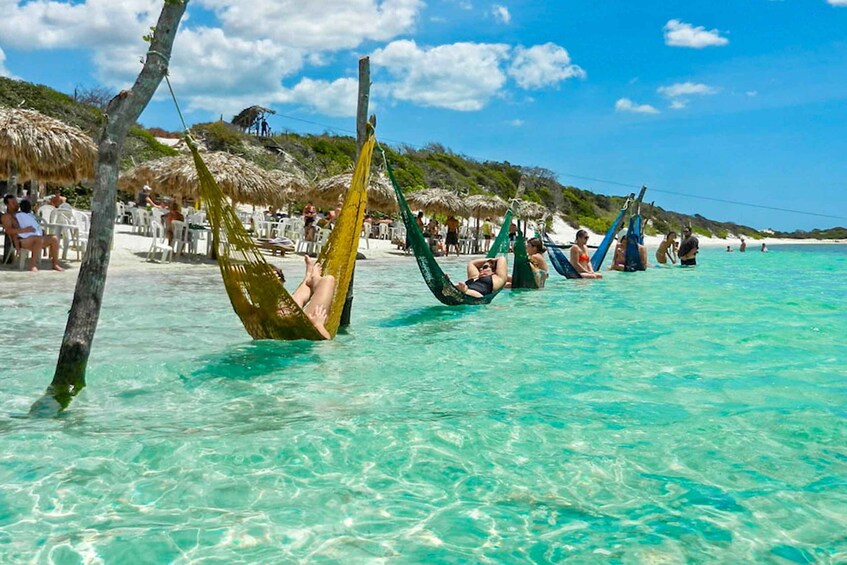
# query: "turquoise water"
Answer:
x=678 y=415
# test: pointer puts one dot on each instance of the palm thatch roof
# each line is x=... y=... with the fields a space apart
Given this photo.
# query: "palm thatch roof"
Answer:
x=481 y=205
x=239 y=179
x=43 y=148
x=247 y=116
x=438 y=201
x=327 y=192
x=527 y=210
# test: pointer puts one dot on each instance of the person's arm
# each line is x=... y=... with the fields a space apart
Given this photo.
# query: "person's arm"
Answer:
x=10 y=228
x=501 y=273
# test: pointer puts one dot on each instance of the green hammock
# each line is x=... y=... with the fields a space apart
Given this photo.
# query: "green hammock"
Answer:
x=440 y=284
x=522 y=275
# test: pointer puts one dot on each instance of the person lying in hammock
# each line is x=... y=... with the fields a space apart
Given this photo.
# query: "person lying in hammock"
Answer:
x=484 y=277
x=314 y=295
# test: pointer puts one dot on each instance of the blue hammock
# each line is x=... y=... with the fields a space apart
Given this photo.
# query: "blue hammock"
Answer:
x=559 y=259
x=635 y=237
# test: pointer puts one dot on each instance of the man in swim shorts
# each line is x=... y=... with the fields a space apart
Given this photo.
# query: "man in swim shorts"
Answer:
x=688 y=249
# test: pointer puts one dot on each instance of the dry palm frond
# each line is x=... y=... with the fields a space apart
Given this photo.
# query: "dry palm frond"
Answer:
x=482 y=205
x=43 y=148
x=437 y=201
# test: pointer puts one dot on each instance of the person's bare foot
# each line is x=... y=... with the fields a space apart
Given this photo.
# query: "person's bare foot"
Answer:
x=58 y=268
x=317 y=273
x=310 y=269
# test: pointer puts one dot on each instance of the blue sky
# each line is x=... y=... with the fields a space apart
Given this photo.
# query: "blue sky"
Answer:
x=741 y=101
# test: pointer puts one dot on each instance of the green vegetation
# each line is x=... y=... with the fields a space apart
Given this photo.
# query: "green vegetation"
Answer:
x=432 y=166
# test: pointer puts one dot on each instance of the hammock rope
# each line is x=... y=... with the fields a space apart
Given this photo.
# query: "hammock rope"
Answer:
x=257 y=295
x=439 y=283
x=522 y=273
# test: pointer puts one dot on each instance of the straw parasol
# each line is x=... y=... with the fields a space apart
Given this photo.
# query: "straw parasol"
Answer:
x=292 y=186
x=438 y=201
x=531 y=211
x=239 y=179
x=35 y=146
x=381 y=197
x=486 y=205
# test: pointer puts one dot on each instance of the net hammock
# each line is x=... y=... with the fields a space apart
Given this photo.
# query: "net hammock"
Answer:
x=257 y=295
x=440 y=284
x=522 y=274
x=635 y=238
x=563 y=265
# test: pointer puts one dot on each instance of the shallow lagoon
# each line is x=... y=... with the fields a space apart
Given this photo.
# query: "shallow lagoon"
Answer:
x=675 y=415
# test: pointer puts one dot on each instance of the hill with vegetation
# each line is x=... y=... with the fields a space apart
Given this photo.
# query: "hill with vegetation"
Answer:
x=416 y=168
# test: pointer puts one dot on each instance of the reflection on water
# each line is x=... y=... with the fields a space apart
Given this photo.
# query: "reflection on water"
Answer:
x=669 y=416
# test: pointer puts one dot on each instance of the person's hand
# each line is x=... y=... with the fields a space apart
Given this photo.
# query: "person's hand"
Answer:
x=318 y=316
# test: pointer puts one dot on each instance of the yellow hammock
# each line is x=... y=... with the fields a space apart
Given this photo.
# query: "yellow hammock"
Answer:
x=257 y=295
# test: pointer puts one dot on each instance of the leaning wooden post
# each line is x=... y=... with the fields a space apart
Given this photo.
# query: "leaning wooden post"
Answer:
x=121 y=113
x=361 y=136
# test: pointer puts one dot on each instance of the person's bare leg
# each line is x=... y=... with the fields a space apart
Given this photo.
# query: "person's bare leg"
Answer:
x=53 y=241
x=303 y=292
x=323 y=291
x=33 y=244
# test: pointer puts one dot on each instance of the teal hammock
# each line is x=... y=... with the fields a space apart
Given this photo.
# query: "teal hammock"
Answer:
x=635 y=237
x=440 y=284
x=522 y=275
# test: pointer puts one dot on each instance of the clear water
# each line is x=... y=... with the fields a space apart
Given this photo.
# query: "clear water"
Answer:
x=678 y=415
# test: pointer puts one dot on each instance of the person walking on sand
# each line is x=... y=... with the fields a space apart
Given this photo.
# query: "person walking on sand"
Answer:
x=667 y=249
x=487 y=232
x=452 y=235
x=688 y=249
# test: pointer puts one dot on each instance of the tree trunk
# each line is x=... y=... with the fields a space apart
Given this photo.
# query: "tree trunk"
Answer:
x=121 y=113
x=361 y=136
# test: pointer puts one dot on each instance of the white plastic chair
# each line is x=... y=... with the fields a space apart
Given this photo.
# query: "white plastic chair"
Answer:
x=160 y=243
x=180 y=237
x=383 y=231
x=45 y=211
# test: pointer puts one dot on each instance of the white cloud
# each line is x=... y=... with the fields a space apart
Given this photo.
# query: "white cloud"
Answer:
x=94 y=23
x=337 y=98
x=679 y=91
x=752 y=93
x=837 y=2
x=516 y=123
x=501 y=13
x=460 y=76
x=4 y=72
x=681 y=34
x=686 y=89
x=327 y=25
x=627 y=105
x=542 y=65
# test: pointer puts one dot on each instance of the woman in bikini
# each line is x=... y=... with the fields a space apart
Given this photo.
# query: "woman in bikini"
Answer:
x=484 y=277
x=580 y=258
x=667 y=249
x=535 y=250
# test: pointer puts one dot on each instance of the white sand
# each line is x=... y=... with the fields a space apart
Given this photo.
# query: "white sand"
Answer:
x=130 y=250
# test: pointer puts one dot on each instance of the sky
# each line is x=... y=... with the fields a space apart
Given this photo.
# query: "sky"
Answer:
x=704 y=102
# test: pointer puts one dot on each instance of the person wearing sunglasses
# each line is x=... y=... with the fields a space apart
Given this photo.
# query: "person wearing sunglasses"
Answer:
x=484 y=277
x=580 y=259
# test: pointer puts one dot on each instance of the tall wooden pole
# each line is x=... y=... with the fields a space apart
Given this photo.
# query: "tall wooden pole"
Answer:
x=121 y=113
x=361 y=136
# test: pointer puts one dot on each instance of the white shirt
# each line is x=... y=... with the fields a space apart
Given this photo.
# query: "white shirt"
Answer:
x=28 y=221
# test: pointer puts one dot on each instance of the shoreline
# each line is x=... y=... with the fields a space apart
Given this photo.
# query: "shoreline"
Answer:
x=129 y=250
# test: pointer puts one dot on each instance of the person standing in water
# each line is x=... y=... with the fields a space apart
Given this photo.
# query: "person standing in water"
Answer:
x=667 y=249
x=743 y=247
x=688 y=249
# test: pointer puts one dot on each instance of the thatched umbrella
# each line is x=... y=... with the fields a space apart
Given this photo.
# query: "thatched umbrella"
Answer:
x=486 y=205
x=35 y=146
x=327 y=192
x=531 y=211
x=438 y=201
x=291 y=186
x=239 y=179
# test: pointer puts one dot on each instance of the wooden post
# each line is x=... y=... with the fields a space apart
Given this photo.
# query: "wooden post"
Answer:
x=361 y=136
x=121 y=113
